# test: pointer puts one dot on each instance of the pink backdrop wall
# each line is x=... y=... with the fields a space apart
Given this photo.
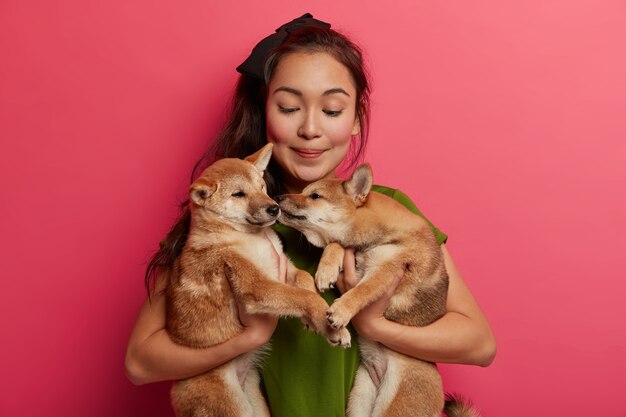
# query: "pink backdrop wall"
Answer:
x=504 y=121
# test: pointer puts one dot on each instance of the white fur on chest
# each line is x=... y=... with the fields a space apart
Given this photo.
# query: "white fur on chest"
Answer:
x=262 y=249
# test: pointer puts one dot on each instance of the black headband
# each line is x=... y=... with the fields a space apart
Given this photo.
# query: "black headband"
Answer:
x=254 y=66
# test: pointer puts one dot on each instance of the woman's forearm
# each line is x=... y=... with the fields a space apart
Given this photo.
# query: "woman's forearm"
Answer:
x=454 y=338
x=158 y=358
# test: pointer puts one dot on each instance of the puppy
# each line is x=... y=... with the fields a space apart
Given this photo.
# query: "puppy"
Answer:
x=229 y=256
x=388 y=238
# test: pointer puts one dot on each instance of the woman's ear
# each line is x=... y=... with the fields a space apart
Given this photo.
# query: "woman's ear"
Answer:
x=356 y=129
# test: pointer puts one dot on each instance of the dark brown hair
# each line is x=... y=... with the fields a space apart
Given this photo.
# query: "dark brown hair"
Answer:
x=244 y=132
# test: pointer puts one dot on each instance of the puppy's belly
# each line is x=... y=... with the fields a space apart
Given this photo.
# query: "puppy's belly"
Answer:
x=373 y=357
x=375 y=257
x=220 y=387
x=380 y=359
x=417 y=382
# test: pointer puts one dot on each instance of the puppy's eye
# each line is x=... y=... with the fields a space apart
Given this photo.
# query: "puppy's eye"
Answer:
x=239 y=194
x=315 y=196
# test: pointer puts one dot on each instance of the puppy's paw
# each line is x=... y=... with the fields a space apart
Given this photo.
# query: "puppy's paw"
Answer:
x=325 y=278
x=309 y=325
x=338 y=316
x=340 y=337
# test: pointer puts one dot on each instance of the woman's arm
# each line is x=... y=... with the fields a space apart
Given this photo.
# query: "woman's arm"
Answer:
x=462 y=335
x=152 y=356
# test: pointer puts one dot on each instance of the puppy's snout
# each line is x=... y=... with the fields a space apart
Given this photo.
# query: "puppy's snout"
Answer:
x=273 y=210
x=279 y=198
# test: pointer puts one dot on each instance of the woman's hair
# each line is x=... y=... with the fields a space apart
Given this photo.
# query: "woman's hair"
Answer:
x=245 y=133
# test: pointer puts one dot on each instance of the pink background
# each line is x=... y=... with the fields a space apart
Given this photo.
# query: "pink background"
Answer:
x=505 y=121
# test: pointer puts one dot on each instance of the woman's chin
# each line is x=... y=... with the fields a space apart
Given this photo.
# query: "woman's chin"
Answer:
x=307 y=176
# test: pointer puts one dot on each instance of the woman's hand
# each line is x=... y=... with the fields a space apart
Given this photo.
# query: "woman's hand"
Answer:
x=371 y=317
x=257 y=328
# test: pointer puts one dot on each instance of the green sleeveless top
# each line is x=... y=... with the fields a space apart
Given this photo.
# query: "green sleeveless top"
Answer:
x=303 y=375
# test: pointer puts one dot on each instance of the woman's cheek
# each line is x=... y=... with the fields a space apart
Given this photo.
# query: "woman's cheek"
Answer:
x=341 y=133
x=278 y=131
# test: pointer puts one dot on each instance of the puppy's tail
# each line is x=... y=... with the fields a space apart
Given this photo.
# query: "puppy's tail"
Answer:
x=457 y=406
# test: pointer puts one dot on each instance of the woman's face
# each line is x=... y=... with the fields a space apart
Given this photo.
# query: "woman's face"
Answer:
x=311 y=117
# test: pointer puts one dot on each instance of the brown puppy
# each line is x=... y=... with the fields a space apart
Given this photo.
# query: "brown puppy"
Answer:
x=388 y=238
x=229 y=256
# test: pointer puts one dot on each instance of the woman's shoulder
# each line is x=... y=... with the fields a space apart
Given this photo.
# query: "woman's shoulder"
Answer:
x=394 y=193
x=406 y=201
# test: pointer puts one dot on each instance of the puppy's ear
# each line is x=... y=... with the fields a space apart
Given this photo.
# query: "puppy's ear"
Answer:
x=261 y=158
x=200 y=192
x=360 y=184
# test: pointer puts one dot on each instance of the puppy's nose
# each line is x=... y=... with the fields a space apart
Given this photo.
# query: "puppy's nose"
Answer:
x=279 y=198
x=273 y=210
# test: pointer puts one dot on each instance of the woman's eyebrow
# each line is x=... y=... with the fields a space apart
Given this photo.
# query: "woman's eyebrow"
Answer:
x=298 y=93
x=288 y=90
x=336 y=91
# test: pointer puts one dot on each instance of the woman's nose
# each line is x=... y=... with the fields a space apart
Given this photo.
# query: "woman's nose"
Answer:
x=310 y=127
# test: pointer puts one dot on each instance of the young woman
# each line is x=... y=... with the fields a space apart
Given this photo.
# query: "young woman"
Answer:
x=303 y=89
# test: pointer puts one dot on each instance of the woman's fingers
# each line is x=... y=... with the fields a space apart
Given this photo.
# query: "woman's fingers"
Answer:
x=348 y=278
x=258 y=328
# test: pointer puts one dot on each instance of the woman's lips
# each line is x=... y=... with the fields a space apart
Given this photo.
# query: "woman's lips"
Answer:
x=308 y=153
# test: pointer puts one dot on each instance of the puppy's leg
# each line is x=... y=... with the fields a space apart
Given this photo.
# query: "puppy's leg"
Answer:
x=302 y=279
x=371 y=287
x=409 y=387
x=261 y=294
x=329 y=267
x=283 y=300
x=299 y=278
x=362 y=395
x=215 y=393
x=252 y=390
x=388 y=392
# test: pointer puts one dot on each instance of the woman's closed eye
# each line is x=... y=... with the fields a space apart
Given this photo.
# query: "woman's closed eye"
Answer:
x=333 y=113
x=288 y=110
